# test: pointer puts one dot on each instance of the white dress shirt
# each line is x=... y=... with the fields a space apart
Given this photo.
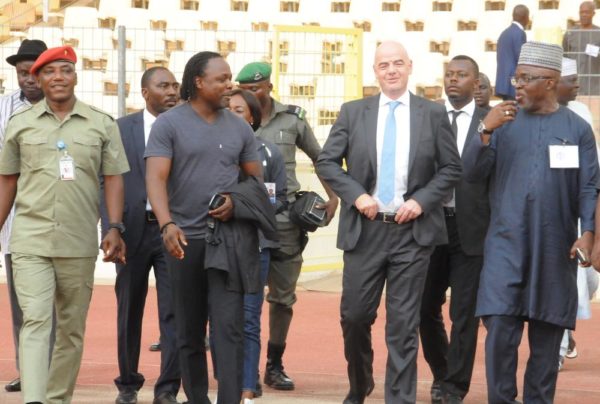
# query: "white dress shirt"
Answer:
x=148 y=122
x=463 y=121
x=9 y=104
x=402 y=114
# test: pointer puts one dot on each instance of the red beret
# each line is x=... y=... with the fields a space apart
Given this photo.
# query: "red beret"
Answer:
x=65 y=53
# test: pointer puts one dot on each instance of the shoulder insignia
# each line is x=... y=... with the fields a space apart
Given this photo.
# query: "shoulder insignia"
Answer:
x=296 y=110
x=94 y=108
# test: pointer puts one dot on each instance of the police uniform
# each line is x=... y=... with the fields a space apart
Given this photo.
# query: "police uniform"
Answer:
x=288 y=130
x=54 y=243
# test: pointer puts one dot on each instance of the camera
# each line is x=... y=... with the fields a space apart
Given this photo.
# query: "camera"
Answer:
x=216 y=201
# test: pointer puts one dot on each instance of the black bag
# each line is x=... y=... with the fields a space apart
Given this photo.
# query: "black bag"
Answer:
x=304 y=213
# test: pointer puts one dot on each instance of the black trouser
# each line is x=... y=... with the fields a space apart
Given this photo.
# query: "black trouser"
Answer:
x=451 y=362
x=501 y=359
x=385 y=254
x=131 y=288
x=194 y=290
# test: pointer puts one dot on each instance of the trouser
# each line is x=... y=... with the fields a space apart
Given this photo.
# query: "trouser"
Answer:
x=252 y=311
x=17 y=314
x=195 y=289
x=385 y=254
x=451 y=362
x=501 y=359
x=131 y=288
x=284 y=270
x=44 y=283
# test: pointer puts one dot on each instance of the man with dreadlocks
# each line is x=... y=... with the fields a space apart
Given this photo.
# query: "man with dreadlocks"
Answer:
x=195 y=151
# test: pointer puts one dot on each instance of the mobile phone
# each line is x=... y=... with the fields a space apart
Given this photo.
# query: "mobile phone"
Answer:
x=581 y=257
x=216 y=201
x=317 y=213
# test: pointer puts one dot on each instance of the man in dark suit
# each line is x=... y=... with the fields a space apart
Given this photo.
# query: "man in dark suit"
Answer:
x=507 y=52
x=144 y=251
x=401 y=161
x=458 y=263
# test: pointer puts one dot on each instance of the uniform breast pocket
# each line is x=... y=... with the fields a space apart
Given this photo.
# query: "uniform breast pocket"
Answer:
x=86 y=150
x=286 y=141
x=35 y=153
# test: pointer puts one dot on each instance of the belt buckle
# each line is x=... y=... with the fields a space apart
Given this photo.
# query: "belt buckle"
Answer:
x=389 y=217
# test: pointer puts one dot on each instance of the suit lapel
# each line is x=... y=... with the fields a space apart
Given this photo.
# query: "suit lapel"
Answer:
x=478 y=115
x=370 y=122
x=139 y=142
x=416 y=123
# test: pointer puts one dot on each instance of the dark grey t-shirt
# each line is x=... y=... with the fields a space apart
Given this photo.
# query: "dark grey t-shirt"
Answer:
x=204 y=157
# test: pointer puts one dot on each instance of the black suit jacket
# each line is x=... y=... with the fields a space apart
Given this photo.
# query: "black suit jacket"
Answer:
x=134 y=213
x=472 y=202
x=433 y=170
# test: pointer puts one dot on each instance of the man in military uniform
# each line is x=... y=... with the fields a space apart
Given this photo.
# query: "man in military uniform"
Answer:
x=284 y=125
x=53 y=154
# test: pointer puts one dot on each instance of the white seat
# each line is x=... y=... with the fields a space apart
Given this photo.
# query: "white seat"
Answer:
x=197 y=40
x=80 y=17
x=52 y=36
x=465 y=10
x=160 y=9
x=492 y=23
x=416 y=10
x=112 y=8
x=428 y=69
x=178 y=60
x=181 y=23
x=387 y=26
x=440 y=25
x=467 y=43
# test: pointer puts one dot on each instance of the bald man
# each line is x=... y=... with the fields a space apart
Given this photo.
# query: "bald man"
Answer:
x=391 y=216
x=579 y=43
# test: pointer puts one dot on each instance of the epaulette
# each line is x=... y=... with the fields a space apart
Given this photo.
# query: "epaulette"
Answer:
x=101 y=111
x=296 y=110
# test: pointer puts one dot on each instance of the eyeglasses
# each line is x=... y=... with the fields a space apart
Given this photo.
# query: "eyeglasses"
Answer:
x=526 y=79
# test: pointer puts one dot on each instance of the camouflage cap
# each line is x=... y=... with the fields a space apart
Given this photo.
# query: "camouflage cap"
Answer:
x=254 y=72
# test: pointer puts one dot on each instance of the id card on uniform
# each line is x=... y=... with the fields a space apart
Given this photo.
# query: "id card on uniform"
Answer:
x=66 y=166
x=564 y=156
x=271 y=189
x=592 y=50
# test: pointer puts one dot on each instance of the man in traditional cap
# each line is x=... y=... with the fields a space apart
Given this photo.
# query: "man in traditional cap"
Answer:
x=543 y=165
x=27 y=94
x=581 y=43
x=55 y=152
x=286 y=126
x=568 y=89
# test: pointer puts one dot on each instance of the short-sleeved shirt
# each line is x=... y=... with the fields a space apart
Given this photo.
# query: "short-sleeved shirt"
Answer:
x=288 y=130
x=205 y=159
x=55 y=218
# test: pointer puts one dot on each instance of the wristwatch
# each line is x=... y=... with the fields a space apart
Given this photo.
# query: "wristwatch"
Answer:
x=118 y=226
x=481 y=129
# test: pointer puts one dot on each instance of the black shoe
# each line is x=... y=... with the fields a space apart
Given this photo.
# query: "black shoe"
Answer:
x=13 y=386
x=258 y=392
x=351 y=399
x=165 y=398
x=126 y=397
x=437 y=396
x=155 y=347
x=452 y=399
x=275 y=377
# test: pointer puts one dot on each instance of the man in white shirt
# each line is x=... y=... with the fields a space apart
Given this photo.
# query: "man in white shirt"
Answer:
x=144 y=251
x=401 y=162
x=457 y=264
x=27 y=94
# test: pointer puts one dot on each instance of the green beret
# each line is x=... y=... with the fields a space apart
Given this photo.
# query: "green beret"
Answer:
x=254 y=72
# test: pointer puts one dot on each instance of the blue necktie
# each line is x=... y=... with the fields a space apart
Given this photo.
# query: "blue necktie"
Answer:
x=387 y=170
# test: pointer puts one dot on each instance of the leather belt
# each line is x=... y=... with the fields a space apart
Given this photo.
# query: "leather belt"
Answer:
x=449 y=212
x=386 y=217
x=150 y=216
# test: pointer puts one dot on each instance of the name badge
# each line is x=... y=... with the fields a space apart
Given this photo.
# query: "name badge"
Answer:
x=271 y=191
x=564 y=156
x=592 y=50
x=66 y=167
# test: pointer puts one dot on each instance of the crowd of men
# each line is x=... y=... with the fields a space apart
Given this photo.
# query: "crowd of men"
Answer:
x=198 y=187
